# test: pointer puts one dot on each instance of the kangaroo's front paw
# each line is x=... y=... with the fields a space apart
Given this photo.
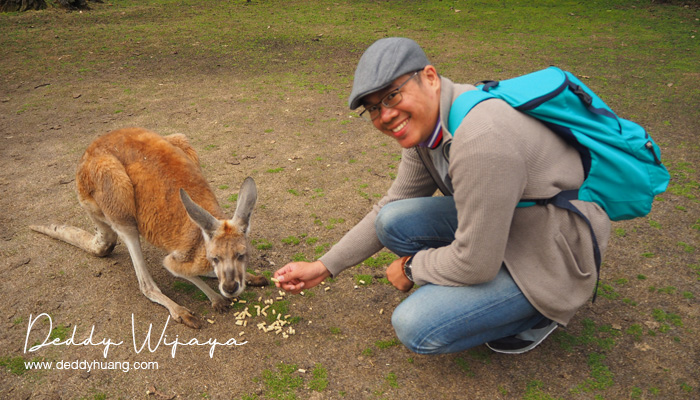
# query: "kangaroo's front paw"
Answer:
x=221 y=304
x=187 y=318
x=252 y=280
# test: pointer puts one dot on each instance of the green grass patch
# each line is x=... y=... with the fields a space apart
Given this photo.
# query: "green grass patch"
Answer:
x=292 y=240
x=189 y=288
x=607 y=291
x=392 y=380
x=60 y=332
x=483 y=355
x=464 y=366
x=248 y=297
x=602 y=336
x=385 y=344
x=321 y=249
x=281 y=383
x=261 y=244
x=696 y=225
x=636 y=331
x=14 y=365
x=695 y=268
x=666 y=317
x=363 y=280
x=319 y=378
x=279 y=307
x=299 y=257
x=601 y=376
x=686 y=387
x=535 y=391
x=333 y=222
x=688 y=248
x=382 y=259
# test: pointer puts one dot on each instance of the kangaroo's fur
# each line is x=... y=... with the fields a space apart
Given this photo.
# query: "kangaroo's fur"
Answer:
x=135 y=182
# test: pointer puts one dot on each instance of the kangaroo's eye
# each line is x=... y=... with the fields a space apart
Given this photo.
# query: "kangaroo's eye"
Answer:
x=241 y=257
x=214 y=260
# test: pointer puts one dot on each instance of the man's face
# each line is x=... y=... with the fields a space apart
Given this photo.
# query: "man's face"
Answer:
x=412 y=120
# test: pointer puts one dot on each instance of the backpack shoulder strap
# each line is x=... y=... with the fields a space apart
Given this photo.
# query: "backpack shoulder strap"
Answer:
x=563 y=200
x=463 y=104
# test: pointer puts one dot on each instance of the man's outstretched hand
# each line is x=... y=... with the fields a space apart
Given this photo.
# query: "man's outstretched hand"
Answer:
x=297 y=276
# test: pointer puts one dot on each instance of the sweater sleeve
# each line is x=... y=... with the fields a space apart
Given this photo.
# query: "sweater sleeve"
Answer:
x=488 y=175
x=361 y=242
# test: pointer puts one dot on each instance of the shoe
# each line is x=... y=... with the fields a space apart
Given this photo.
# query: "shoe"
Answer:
x=524 y=341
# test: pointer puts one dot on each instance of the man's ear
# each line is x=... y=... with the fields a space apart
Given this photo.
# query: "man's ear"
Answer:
x=431 y=76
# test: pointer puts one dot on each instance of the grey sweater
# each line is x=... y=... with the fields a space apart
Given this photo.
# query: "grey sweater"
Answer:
x=498 y=157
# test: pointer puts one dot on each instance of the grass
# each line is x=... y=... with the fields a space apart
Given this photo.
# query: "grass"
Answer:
x=363 y=279
x=281 y=382
x=464 y=366
x=380 y=345
x=189 y=288
x=392 y=380
x=319 y=380
x=291 y=240
x=286 y=380
x=261 y=244
x=382 y=259
x=385 y=344
x=601 y=337
x=534 y=391
x=601 y=376
x=13 y=365
x=60 y=332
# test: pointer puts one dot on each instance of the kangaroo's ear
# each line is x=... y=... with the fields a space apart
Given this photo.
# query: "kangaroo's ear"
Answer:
x=247 y=197
x=200 y=216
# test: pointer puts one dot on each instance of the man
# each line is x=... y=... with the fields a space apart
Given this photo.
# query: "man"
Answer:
x=488 y=272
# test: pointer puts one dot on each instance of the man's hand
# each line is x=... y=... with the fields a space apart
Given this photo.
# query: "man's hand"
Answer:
x=297 y=276
x=396 y=276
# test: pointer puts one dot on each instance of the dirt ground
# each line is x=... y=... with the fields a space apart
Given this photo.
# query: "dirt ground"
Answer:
x=319 y=169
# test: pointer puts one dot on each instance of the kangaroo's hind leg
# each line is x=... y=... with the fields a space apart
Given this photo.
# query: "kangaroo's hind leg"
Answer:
x=99 y=244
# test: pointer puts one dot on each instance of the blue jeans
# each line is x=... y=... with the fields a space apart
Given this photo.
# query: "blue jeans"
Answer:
x=446 y=319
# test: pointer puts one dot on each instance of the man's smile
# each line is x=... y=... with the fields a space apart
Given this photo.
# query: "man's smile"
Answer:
x=401 y=126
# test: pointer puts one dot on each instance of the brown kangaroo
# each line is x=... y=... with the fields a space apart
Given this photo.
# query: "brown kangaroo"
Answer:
x=135 y=182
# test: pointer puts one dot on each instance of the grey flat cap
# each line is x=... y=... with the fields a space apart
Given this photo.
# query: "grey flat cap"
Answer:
x=383 y=62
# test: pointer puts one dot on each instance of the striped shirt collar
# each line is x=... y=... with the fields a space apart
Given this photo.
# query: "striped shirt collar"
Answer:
x=435 y=138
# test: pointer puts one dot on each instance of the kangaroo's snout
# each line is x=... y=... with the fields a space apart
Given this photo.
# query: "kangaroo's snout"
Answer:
x=231 y=288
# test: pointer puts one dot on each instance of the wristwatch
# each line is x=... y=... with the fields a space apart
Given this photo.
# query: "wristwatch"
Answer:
x=407 y=269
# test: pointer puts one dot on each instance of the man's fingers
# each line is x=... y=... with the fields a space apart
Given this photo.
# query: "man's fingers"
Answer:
x=293 y=288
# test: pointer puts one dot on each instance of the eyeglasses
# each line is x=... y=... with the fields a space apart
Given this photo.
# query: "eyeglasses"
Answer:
x=391 y=99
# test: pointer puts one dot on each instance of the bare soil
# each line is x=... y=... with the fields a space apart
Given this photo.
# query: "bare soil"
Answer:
x=318 y=169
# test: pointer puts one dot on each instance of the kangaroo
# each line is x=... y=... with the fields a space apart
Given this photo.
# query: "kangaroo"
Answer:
x=136 y=182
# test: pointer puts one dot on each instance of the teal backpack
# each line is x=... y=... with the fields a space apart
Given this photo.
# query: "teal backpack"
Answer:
x=622 y=165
